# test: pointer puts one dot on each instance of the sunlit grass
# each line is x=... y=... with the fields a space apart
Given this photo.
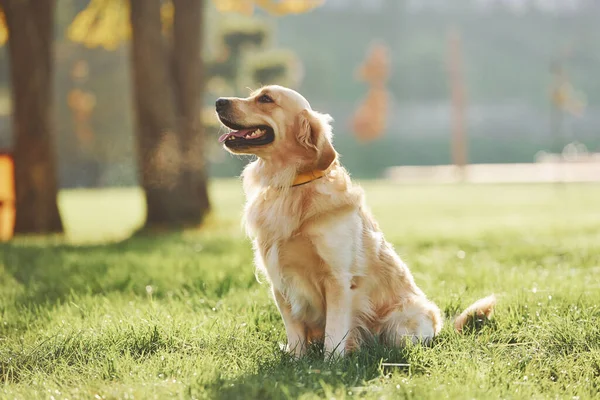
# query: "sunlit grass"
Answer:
x=99 y=216
x=182 y=315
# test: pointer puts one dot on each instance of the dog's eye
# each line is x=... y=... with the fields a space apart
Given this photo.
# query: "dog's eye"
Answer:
x=265 y=99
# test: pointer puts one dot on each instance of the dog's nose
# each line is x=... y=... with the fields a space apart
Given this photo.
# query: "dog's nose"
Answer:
x=221 y=103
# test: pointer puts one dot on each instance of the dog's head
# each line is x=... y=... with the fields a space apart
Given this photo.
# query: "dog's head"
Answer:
x=277 y=124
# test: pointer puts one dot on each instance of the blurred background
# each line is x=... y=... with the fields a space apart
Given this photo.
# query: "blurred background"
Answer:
x=498 y=83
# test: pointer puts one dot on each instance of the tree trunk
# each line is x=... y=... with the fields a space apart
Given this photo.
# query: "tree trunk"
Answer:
x=167 y=102
x=30 y=44
x=188 y=73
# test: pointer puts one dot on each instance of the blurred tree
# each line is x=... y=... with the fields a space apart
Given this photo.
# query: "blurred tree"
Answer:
x=243 y=57
x=30 y=31
x=167 y=92
x=564 y=97
x=3 y=28
x=274 y=7
x=82 y=103
x=167 y=69
x=105 y=23
x=565 y=100
x=458 y=98
x=369 y=120
x=166 y=66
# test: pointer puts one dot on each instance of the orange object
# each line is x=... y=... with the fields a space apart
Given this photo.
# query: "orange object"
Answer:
x=458 y=100
x=7 y=196
x=370 y=119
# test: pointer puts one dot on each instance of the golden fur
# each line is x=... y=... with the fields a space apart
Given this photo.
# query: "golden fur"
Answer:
x=333 y=275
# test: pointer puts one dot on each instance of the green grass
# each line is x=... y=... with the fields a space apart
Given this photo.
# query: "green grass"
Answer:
x=182 y=315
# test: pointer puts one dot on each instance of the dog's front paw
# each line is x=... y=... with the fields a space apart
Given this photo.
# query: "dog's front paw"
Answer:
x=334 y=353
x=294 y=351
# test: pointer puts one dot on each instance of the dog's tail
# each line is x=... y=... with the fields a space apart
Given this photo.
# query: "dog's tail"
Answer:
x=481 y=310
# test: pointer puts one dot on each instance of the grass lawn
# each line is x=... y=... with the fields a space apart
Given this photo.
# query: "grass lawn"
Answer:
x=182 y=315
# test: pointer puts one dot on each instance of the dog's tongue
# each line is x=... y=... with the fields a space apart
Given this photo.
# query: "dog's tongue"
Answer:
x=241 y=133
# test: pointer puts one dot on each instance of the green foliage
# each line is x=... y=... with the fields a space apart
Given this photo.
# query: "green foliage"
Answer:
x=236 y=39
x=274 y=66
x=235 y=36
x=183 y=316
x=242 y=53
x=103 y=23
x=242 y=58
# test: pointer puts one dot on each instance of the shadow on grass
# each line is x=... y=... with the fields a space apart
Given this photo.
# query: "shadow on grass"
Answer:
x=286 y=378
x=81 y=349
x=367 y=370
x=51 y=272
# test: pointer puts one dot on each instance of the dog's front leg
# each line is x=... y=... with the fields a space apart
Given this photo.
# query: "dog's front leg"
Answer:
x=338 y=297
x=336 y=244
x=295 y=330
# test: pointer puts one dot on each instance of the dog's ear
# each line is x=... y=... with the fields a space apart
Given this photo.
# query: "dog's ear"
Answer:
x=315 y=134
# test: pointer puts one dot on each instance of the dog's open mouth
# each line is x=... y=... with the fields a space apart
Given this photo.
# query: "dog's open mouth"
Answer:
x=246 y=137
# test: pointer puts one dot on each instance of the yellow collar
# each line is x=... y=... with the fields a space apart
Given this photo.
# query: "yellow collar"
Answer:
x=307 y=177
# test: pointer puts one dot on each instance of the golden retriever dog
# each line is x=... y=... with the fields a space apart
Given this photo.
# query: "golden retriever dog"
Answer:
x=334 y=277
